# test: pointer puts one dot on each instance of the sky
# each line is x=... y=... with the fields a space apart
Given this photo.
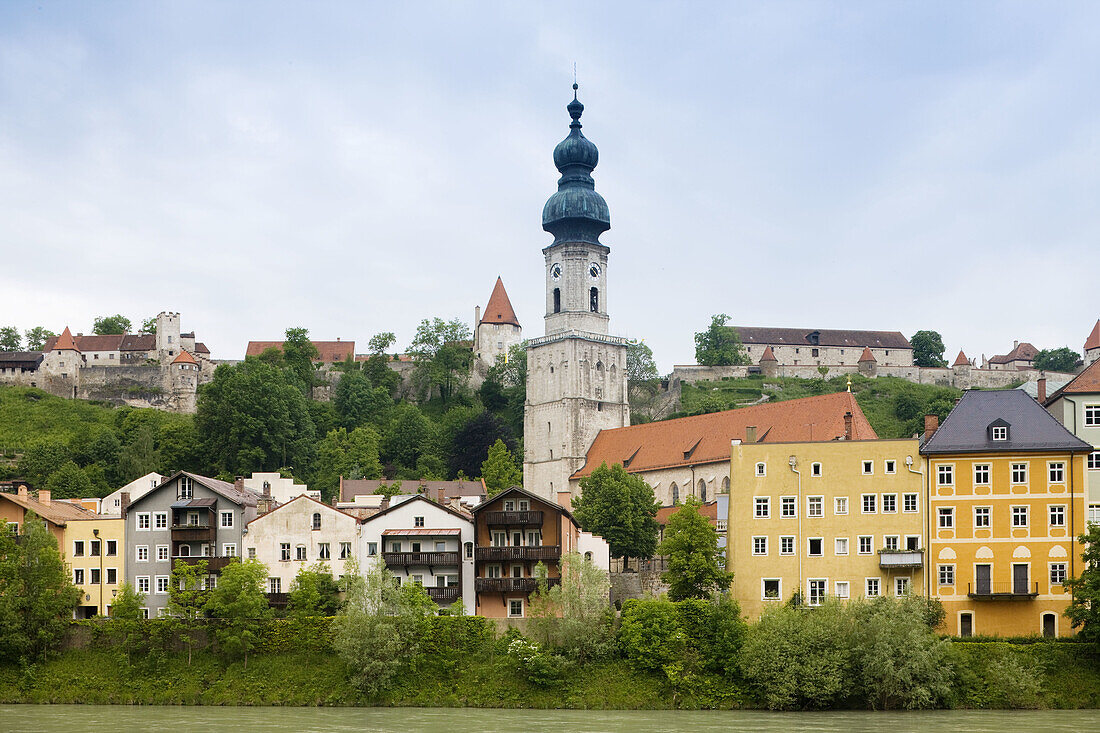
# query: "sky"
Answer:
x=354 y=168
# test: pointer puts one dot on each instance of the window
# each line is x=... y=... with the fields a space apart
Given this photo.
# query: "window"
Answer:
x=143 y=584
x=142 y=553
x=112 y=576
x=760 y=545
x=469 y=546
x=316 y=524
x=1019 y=516
x=890 y=503
x=947 y=575
x=418 y=521
x=78 y=548
x=817 y=592
x=982 y=516
x=284 y=551
x=492 y=571
x=557 y=300
x=1056 y=472
x=186 y=487
x=160 y=520
x=345 y=550
x=841 y=546
x=815 y=469
x=227 y=519
x=891 y=542
x=1092 y=416
x=788 y=506
x=509 y=506
x=162 y=585
x=901 y=587
x=300 y=552
x=500 y=539
x=763 y=507
x=229 y=549
x=1094 y=460
x=945 y=475
x=372 y=549
x=112 y=548
x=868 y=467
x=162 y=553
x=946 y=515
x=909 y=503
x=251 y=553
x=815 y=506
x=813 y=546
x=1019 y=473
x=1094 y=514
x=515 y=605
x=840 y=505
x=891 y=466
x=786 y=545
x=981 y=474
x=1057 y=573
x=761 y=469
x=94 y=576
x=1057 y=515
x=866 y=545
x=593 y=301
x=1000 y=432
x=323 y=552
x=274 y=585
x=770 y=589
x=78 y=576
x=842 y=589
x=416 y=579
x=534 y=539
x=143 y=521
x=868 y=504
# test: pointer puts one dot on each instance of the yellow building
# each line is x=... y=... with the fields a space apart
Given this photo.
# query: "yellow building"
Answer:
x=843 y=518
x=1007 y=501
x=94 y=550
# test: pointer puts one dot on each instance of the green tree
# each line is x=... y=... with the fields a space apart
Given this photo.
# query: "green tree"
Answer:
x=928 y=349
x=111 y=325
x=471 y=443
x=127 y=604
x=380 y=343
x=149 y=326
x=1084 y=606
x=621 y=508
x=441 y=350
x=499 y=470
x=314 y=592
x=140 y=456
x=409 y=436
x=358 y=402
x=650 y=635
x=43 y=458
x=179 y=446
x=578 y=609
x=240 y=602
x=720 y=345
x=37 y=338
x=352 y=455
x=37 y=597
x=640 y=366
x=69 y=482
x=126 y=621
x=187 y=598
x=10 y=340
x=695 y=564
x=1057 y=360
x=299 y=353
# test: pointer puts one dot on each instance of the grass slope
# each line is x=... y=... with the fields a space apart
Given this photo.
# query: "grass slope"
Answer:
x=28 y=415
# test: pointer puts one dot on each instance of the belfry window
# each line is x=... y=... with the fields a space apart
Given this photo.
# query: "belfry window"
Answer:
x=594 y=300
x=557 y=300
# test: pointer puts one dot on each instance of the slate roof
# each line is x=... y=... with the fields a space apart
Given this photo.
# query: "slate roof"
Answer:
x=329 y=352
x=1022 y=352
x=241 y=497
x=1031 y=428
x=1087 y=382
x=436 y=490
x=706 y=438
x=419 y=497
x=20 y=359
x=826 y=337
x=499 y=308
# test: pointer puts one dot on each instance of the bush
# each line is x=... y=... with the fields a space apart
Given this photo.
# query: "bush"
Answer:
x=650 y=634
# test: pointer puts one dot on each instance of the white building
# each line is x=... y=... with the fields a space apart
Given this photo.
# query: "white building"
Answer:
x=424 y=542
x=139 y=487
x=281 y=489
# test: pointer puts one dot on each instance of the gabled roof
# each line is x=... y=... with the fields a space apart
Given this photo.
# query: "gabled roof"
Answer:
x=825 y=337
x=499 y=308
x=1023 y=351
x=867 y=355
x=20 y=359
x=437 y=490
x=307 y=498
x=329 y=352
x=1031 y=428
x=184 y=358
x=222 y=488
x=1093 y=341
x=138 y=342
x=662 y=444
x=768 y=355
x=56 y=512
x=961 y=360
x=105 y=342
x=520 y=491
x=1087 y=382
x=64 y=342
x=418 y=497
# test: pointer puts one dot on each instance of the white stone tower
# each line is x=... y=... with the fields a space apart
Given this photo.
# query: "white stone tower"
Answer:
x=168 y=336
x=576 y=373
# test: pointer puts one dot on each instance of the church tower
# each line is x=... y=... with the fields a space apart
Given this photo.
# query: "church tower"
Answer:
x=576 y=373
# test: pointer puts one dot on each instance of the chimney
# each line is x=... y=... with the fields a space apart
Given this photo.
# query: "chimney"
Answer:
x=1042 y=387
x=848 y=425
x=23 y=493
x=565 y=499
x=124 y=502
x=931 y=425
x=1015 y=345
x=266 y=491
x=750 y=433
x=44 y=496
x=239 y=483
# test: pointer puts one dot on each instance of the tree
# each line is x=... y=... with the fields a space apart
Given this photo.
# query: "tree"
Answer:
x=471 y=443
x=499 y=470
x=351 y=455
x=299 y=353
x=720 y=345
x=650 y=634
x=37 y=597
x=695 y=566
x=928 y=349
x=187 y=599
x=577 y=611
x=41 y=459
x=640 y=366
x=37 y=338
x=69 y=482
x=10 y=340
x=127 y=604
x=240 y=602
x=1057 y=360
x=358 y=402
x=380 y=343
x=149 y=327
x=1084 y=607
x=504 y=390
x=140 y=455
x=619 y=507
x=115 y=324
x=314 y=592
x=441 y=350
x=126 y=618
x=409 y=436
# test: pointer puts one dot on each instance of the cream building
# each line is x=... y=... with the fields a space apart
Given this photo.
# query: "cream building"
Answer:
x=282 y=490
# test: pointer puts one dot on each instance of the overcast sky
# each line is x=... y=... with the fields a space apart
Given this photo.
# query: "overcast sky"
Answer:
x=354 y=168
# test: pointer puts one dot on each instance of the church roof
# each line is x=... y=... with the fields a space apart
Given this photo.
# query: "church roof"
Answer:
x=867 y=355
x=184 y=358
x=65 y=341
x=1093 y=341
x=706 y=438
x=961 y=360
x=499 y=308
x=822 y=337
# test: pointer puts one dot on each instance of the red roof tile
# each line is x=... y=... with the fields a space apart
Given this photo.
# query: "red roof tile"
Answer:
x=1093 y=341
x=1022 y=352
x=65 y=341
x=706 y=438
x=708 y=511
x=329 y=351
x=1087 y=381
x=499 y=308
x=768 y=355
x=184 y=358
x=867 y=355
x=961 y=360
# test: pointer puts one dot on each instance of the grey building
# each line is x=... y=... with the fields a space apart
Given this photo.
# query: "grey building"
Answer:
x=189 y=518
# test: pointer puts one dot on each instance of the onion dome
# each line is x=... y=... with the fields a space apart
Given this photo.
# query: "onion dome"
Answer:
x=576 y=213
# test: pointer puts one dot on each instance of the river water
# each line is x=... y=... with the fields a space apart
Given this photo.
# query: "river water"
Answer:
x=156 y=719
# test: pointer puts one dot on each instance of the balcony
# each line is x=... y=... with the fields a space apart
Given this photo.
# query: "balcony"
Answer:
x=277 y=600
x=444 y=595
x=513 y=519
x=1002 y=591
x=499 y=554
x=213 y=564
x=428 y=559
x=510 y=585
x=899 y=559
x=193 y=532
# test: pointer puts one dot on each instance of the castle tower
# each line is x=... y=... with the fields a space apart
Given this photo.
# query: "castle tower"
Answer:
x=576 y=373
x=1091 y=351
x=168 y=336
x=498 y=329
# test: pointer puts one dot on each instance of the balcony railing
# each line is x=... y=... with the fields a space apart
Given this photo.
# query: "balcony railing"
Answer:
x=513 y=519
x=510 y=585
x=213 y=564
x=277 y=600
x=499 y=554
x=193 y=532
x=430 y=559
x=444 y=595
x=900 y=558
x=1006 y=590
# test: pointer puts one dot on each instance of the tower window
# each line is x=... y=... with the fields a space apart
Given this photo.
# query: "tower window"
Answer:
x=557 y=300
x=594 y=300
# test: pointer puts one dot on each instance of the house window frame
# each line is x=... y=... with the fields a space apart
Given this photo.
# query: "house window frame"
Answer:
x=761 y=469
x=910 y=499
x=142 y=583
x=143 y=518
x=983 y=517
x=872 y=587
x=788 y=507
x=1018 y=474
x=760 y=545
x=842 y=589
x=1056 y=515
x=945 y=517
x=786 y=544
x=817 y=590
x=999 y=433
x=1092 y=462
x=868 y=468
x=161 y=584
x=821 y=547
x=762 y=507
x=1056 y=573
x=815 y=506
x=160 y=520
x=840 y=505
x=1020 y=511
x=1056 y=472
x=815 y=470
x=946 y=574
x=903 y=586
x=164 y=553
x=511 y=608
x=890 y=466
x=838 y=544
x=225 y=519
x=869 y=541
x=1092 y=415
x=893 y=499
x=945 y=474
x=983 y=474
x=868 y=500
x=778 y=589
x=140 y=550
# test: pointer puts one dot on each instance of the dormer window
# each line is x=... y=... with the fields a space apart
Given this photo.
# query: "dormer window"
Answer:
x=998 y=430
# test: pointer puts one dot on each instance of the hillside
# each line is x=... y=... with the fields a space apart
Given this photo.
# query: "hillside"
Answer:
x=28 y=415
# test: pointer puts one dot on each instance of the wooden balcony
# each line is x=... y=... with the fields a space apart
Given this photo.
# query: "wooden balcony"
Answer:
x=428 y=559
x=213 y=564
x=510 y=585
x=899 y=559
x=193 y=533
x=502 y=554
x=1002 y=591
x=277 y=600
x=513 y=519
x=444 y=595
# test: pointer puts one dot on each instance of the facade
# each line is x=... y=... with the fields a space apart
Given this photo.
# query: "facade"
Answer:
x=689 y=456
x=423 y=542
x=840 y=519
x=1077 y=407
x=1007 y=501
x=186 y=518
x=802 y=346
x=281 y=490
x=139 y=487
x=576 y=373
x=498 y=329
x=297 y=535
x=95 y=551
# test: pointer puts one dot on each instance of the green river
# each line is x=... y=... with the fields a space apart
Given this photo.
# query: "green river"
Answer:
x=153 y=719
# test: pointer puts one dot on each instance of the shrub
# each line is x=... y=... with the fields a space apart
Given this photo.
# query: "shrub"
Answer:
x=650 y=634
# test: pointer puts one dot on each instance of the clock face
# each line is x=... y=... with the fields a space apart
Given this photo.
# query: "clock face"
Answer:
x=594 y=270
x=555 y=271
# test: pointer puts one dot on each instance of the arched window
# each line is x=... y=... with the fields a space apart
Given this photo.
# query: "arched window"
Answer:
x=557 y=300
x=594 y=300
x=725 y=484
x=588 y=556
x=702 y=491
x=675 y=494
x=1050 y=625
x=316 y=520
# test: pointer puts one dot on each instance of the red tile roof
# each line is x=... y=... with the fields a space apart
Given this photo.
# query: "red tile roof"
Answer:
x=106 y=342
x=184 y=358
x=825 y=337
x=64 y=342
x=768 y=355
x=706 y=438
x=1093 y=341
x=329 y=351
x=139 y=342
x=499 y=308
x=867 y=355
x=1022 y=352
x=1087 y=381
x=961 y=360
x=709 y=511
